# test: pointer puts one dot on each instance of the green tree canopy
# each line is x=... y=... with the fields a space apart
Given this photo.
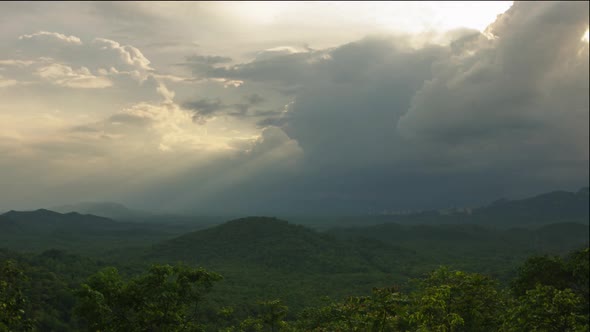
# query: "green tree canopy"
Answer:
x=456 y=301
x=12 y=301
x=166 y=298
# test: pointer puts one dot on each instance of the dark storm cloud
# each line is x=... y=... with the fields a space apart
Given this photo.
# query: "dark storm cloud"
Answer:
x=204 y=65
x=271 y=122
x=254 y=99
x=207 y=59
x=242 y=109
x=495 y=114
x=206 y=107
x=268 y=66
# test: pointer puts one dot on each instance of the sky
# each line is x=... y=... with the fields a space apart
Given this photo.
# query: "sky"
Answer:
x=291 y=107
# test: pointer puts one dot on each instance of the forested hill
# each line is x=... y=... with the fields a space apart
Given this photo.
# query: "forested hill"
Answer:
x=43 y=220
x=271 y=243
x=82 y=233
x=485 y=248
x=105 y=209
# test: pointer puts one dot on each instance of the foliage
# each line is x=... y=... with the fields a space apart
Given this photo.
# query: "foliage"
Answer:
x=546 y=308
x=270 y=318
x=456 y=301
x=578 y=264
x=384 y=310
x=165 y=299
x=544 y=270
x=263 y=258
x=12 y=301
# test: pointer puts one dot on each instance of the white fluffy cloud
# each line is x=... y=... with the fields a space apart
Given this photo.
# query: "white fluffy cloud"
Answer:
x=127 y=53
x=52 y=35
x=73 y=78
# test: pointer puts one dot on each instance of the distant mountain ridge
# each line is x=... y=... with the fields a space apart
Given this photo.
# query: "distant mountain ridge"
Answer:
x=121 y=212
x=104 y=209
x=44 y=229
x=548 y=207
x=46 y=220
x=545 y=208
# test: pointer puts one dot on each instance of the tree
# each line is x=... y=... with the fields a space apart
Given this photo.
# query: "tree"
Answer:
x=384 y=310
x=546 y=308
x=165 y=299
x=456 y=301
x=270 y=318
x=578 y=264
x=13 y=303
x=543 y=270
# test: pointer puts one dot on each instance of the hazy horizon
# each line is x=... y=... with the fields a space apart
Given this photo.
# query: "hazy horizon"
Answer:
x=273 y=108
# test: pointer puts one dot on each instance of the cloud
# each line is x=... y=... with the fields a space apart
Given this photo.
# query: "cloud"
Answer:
x=505 y=85
x=254 y=99
x=52 y=35
x=164 y=92
x=100 y=53
x=381 y=122
x=65 y=76
x=207 y=59
x=129 y=54
x=7 y=82
x=269 y=66
x=206 y=108
x=17 y=63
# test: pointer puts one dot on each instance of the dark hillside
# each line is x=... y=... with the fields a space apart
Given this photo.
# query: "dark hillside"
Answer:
x=557 y=206
x=267 y=242
x=81 y=233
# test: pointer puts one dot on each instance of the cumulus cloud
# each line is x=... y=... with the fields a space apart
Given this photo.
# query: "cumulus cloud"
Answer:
x=73 y=78
x=52 y=35
x=100 y=54
x=129 y=54
x=504 y=112
x=489 y=87
x=164 y=92
x=206 y=107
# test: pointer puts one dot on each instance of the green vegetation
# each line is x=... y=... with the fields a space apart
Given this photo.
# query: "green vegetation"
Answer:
x=546 y=295
x=165 y=299
x=72 y=272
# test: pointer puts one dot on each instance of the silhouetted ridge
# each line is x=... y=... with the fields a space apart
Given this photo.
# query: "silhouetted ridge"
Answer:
x=104 y=209
x=551 y=207
x=44 y=215
x=43 y=229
